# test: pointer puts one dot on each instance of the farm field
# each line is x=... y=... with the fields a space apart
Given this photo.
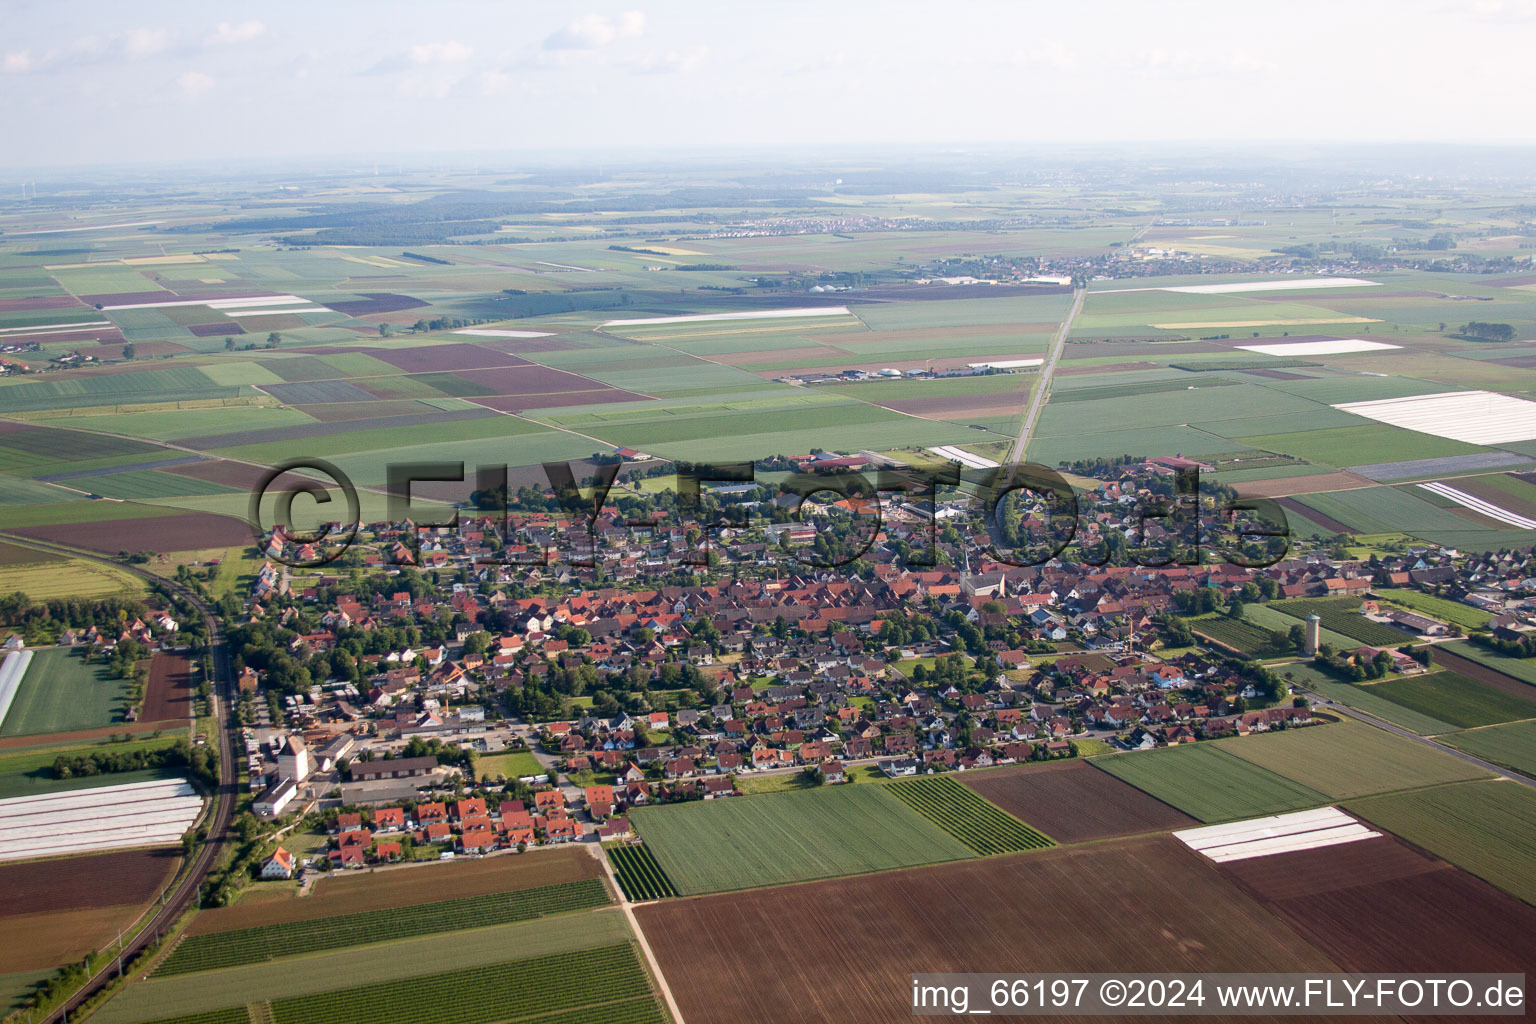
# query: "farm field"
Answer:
x=1361 y=698
x=1523 y=669
x=789 y=837
x=1208 y=783
x=25 y=772
x=1341 y=615
x=1454 y=698
x=846 y=949
x=1379 y=905
x=1074 y=802
x=154 y=999
x=1349 y=759
x=1487 y=828
x=43 y=580
x=1240 y=635
x=1513 y=745
x=639 y=875
x=61 y=692
x=65 y=908
x=210 y=951
x=1269 y=618
x=348 y=894
x=967 y=816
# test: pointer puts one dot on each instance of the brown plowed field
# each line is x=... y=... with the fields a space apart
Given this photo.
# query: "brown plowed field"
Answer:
x=456 y=356
x=54 y=939
x=405 y=887
x=222 y=471
x=1072 y=371
x=1326 y=522
x=215 y=330
x=38 y=302
x=169 y=692
x=75 y=883
x=1378 y=905
x=845 y=950
x=188 y=532
x=1072 y=801
x=1483 y=674
x=1284 y=486
x=1503 y=499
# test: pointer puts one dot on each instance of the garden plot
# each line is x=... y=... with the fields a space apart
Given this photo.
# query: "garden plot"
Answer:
x=91 y=820
x=1318 y=348
x=1476 y=417
x=1281 y=833
x=1481 y=507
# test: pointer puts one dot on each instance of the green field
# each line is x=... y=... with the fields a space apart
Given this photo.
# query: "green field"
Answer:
x=1513 y=745
x=1455 y=699
x=1342 y=615
x=639 y=875
x=29 y=772
x=984 y=827
x=608 y=984
x=1362 y=699
x=717 y=845
x=1269 y=618
x=75 y=578
x=1210 y=784
x=1454 y=612
x=158 y=998
x=61 y=692
x=516 y=765
x=252 y=945
x=1241 y=635
x=1350 y=759
x=1523 y=669
x=1488 y=828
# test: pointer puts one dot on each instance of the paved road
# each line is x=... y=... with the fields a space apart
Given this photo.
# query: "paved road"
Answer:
x=183 y=894
x=1043 y=386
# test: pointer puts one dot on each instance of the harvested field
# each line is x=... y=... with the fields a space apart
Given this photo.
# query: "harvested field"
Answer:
x=337 y=895
x=1301 y=485
x=1073 y=802
x=169 y=692
x=79 y=883
x=64 y=936
x=845 y=950
x=182 y=532
x=1379 y=905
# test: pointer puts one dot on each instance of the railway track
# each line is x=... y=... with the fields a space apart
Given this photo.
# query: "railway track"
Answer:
x=183 y=893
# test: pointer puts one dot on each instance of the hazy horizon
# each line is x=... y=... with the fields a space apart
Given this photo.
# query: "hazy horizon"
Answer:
x=173 y=82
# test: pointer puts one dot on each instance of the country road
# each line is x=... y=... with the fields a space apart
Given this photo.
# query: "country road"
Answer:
x=182 y=894
x=1043 y=386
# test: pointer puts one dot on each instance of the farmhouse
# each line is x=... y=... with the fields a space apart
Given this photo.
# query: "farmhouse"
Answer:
x=279 y=865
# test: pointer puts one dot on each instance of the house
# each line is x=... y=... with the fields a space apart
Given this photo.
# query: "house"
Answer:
x=279 y=865
x=832 y=772
x=353 y=856
x=599 y=801
x=388 y=853
x=897 y=767
x=389 y=819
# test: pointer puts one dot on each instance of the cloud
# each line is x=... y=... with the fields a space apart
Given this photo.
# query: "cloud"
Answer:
x=244 y=32
x=194 y=83
x=1053 y=56
x=672 y=62
x=594 y=31
x=450 y=52
x=145 y=42
x=18 y=63
x=1500 y=12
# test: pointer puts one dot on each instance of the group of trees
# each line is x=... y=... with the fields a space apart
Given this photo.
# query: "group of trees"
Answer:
x=200 y=762
x=1487 y=331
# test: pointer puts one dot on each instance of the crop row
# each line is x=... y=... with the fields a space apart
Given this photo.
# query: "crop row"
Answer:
x=253 y=945
x=228 y=1015
x=1339 y=616
x=644 y=1010
x=1239 y=635
x=479 y=995
x=980 y=825
x=639 y=875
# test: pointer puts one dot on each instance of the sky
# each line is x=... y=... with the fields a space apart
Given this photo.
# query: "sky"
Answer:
x=88 y=82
